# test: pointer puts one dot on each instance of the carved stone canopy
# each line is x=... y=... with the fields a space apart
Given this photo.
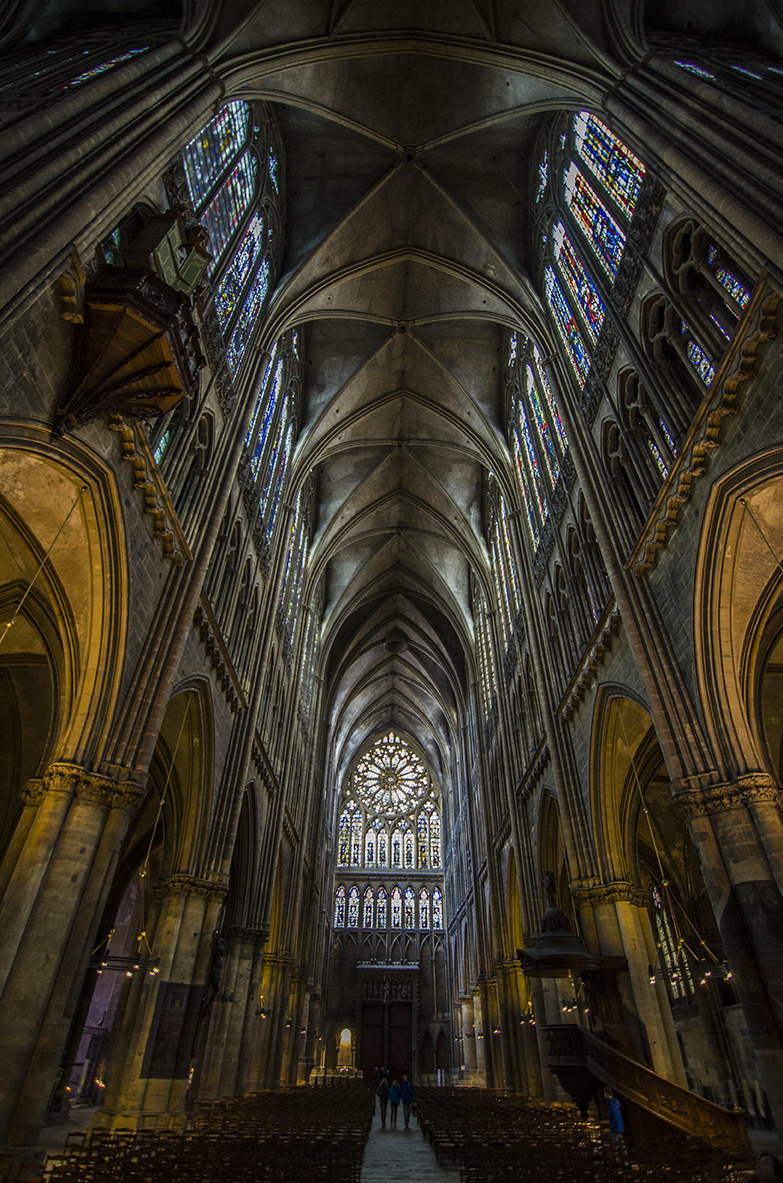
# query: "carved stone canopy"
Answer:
x=137 y=352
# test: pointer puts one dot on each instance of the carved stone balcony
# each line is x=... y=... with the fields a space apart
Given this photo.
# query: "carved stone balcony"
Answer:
x=137 y=352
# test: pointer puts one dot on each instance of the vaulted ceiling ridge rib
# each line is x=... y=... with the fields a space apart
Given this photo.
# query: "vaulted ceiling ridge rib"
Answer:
x=250 y=67
x=327 y=443
x=325 y=548
x=415 y=684
x=370 y=591
x=282 y=318
x=330 y=114
x=343 y=693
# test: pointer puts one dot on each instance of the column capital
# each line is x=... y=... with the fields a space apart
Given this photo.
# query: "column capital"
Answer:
x=248 y=936
x=621 y=891
x=751 y=789
x=81 y=785
x=192 y=885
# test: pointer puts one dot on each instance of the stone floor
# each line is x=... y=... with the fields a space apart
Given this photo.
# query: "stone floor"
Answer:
x=396 y=1155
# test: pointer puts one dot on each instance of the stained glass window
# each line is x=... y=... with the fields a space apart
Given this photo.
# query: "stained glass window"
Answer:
x=369 y=848
x=390 y=778
x=658 y=458
x=236 y=274
x=367 y=913
x=339 y=908
x=668 y=436
x=383 y=852
x=619 y=171
x=579 y=282
x=356 y=839
x=410 y=908
x=248 y=316
x=353 y=908
x=545 y=438
x=396 y=849
x=434 y=840
x=437 y=908
x=423 y=828
x=207 y=156
x=697 y=356
x=513 y=347
x=530 y=517
x=543 y=174
x=550 y=402
x=227 y=208
x=699 y=71
x=344 y=840
x=95 y=71
x=569 y=331
x=396 y=908
x=599 y=227
x=380 y=914
x=424 y=908
x=749 y=73
x=163 y=443
x=272 y=170
x=408 y=840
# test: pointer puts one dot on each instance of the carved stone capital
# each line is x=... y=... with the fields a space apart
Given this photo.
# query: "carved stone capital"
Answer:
x=81 y=785
x=751 y=789
x=174 y=885
x=248 y=936
x=619 y=892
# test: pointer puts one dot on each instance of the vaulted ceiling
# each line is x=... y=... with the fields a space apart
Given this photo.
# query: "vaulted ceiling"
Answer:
x=412 y=134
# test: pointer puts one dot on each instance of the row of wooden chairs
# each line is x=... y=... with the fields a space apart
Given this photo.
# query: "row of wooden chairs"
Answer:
x=497 y=1137
x=274 y=1137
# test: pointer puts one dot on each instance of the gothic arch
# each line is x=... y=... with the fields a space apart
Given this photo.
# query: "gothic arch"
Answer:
x=737 y=594
x=621 y=729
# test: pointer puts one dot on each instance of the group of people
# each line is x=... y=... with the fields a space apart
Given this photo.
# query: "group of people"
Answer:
x=391 y=1095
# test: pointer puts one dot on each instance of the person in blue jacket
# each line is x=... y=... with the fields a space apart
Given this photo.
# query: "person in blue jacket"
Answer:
x=406 y=1096
x=394 y=1101
x=616 y=1125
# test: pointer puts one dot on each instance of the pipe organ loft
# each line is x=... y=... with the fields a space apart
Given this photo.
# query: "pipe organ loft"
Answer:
x=391 y=553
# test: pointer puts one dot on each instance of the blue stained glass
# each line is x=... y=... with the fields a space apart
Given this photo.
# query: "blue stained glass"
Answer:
x=339 y=908
x=719 y=326
x=368 y=908
x=530 y=452
x=579 y=282
x=513 y=347
x=261 y=400
x=279 y=479
x=344 y=840
x=396 y=908
x=548 y=447
x=423 y=829
x=381 y=908
x=163 y=444
x=602 y=232
x=736 y=290
x=207 y=156
x=564 y=318
x=550 y=402
x=227 y=208
x=699 y=71
x=668 y=436
x=698 y=358
x=263 y=430
x=424 y=908
x=94 y=71
x=615 y=166
x=658 y=458
x=272 y=170
x=532 y=521
x=543 y=174
x=750 y=73
x=410 y=908
x=235 y=276
x=353 y=908
x=437 y=909
x=247 y=318
x=434 y=839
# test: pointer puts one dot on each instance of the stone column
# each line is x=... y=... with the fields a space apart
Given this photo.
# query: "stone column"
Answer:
x=735 y=832
x=266 y=1061
x=468 y=1066
x=219 y=1076
x=617 y=914
x=150 y=1064
x=57 y=879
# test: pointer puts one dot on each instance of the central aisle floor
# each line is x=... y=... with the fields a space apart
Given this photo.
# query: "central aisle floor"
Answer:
x=397 y=1155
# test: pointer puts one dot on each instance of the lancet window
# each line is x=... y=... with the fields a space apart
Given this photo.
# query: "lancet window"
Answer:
x=537 y=438
x=232 y=175
x=592 y=199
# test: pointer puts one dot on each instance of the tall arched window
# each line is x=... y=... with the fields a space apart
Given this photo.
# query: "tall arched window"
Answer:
x=368 y=908
x=339 y=908
x=353 y=908
x=232 y=175
x=537 y=438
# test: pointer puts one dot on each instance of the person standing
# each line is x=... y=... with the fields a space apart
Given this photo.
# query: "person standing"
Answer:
x=616 y=1125
x=383 y=1096
x=406 y=1096
x=394 y=1101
